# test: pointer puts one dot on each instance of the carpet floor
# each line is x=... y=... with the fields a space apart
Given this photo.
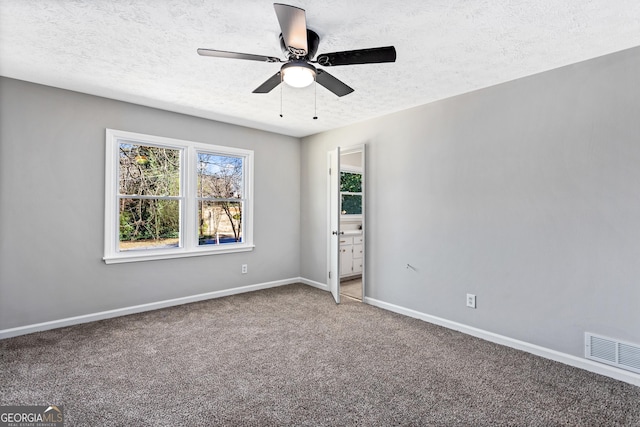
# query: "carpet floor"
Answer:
x=291 y=356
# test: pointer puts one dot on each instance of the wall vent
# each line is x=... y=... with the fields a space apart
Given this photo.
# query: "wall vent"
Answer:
x=612 y=352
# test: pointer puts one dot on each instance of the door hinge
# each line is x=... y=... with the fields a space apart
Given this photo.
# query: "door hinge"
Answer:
x=329 y=275
x=329 y=171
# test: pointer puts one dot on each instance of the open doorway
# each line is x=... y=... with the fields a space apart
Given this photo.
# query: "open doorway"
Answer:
x=347 y=223
x=351 y=223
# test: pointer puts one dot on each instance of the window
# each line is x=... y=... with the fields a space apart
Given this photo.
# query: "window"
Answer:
x=351 y=193
x=168 y=198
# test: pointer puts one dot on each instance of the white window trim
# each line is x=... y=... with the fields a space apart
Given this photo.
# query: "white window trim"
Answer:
x=188 y=236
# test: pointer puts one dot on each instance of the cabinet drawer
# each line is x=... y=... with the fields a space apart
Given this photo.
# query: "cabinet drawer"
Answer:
x=358 y=240
x=346 y=240
x=357 y=251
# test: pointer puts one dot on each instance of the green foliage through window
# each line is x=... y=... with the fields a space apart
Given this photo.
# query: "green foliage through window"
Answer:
x=350 y=182
x=351 y=204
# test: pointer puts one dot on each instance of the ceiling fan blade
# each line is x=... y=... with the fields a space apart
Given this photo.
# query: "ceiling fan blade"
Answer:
x=333 y=84
x=360 y=56
x=270 y=84
x=236 y=55
x=293 y=24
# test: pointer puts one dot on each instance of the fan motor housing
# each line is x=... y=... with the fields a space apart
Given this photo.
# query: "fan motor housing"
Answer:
x=313 y=40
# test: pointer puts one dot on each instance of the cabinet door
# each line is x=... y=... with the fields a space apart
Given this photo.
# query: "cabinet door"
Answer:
x=346 y=260
x=357 y=251
x=357 y=265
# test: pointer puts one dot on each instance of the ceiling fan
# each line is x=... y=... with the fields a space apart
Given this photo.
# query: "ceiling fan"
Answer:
x=300 y=44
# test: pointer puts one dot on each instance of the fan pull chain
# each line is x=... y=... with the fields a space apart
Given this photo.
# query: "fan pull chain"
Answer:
x=281 y=94
x=315 y=99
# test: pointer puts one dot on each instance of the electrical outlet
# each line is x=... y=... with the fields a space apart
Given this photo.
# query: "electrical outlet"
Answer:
x=471 y=301
x=244 y=268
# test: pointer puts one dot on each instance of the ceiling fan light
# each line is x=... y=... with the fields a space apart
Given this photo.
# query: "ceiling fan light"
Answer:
x=298 y=74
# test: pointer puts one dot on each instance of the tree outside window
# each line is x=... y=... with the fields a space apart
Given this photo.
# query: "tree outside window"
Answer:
x=149 y=204
x=220 y=199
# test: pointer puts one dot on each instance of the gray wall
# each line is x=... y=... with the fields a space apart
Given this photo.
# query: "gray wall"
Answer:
x=526 y=194
x=52 y=145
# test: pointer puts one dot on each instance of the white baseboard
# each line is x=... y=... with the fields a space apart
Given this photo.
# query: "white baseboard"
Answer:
x=313 y=283
x=567 y=359
x=23 y=330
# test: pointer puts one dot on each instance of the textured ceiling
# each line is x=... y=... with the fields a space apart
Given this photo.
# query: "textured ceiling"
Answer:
x=144 y=51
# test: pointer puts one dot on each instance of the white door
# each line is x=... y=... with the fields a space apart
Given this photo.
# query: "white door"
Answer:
x=334 y=223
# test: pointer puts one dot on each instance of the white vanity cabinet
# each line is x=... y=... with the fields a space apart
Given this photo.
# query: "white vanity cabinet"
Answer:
x=358 y=247
x=351 y=252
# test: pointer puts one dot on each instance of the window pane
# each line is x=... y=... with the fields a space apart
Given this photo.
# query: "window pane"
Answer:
x=351 y=204
x=149 y=224
x=219 y=222
x=149 y=171
x=220 y=176
x=350 y=182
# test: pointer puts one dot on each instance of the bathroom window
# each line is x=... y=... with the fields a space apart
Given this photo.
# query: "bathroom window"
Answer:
x=350 y=193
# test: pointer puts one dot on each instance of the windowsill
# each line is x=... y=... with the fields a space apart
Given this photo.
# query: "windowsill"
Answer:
x=149 y=255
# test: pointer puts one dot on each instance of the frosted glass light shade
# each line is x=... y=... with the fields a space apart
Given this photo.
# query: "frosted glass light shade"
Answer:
x=298 y=74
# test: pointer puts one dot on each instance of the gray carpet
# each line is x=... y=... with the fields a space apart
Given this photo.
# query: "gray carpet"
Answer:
x=290 y=356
